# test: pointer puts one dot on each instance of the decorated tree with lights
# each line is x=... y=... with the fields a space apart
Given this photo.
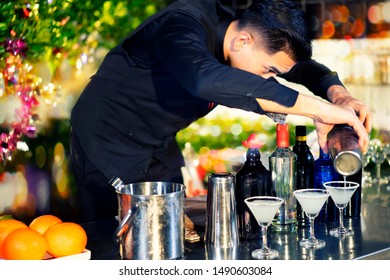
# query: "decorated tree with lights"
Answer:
x=48 y=51
x=38 y=39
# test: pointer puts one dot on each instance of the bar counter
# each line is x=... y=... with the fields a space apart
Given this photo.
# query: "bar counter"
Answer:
x=371 y=238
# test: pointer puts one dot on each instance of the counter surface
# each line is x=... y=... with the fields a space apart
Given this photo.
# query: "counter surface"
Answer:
x=371 y=238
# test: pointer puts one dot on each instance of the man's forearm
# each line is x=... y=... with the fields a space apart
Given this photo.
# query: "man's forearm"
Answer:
x=305 y=105
x=336 y=91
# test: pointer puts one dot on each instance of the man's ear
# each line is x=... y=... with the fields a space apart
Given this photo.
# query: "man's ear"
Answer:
x=243 y=38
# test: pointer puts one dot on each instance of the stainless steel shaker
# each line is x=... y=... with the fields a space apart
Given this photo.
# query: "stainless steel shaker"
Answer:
x=343 y=144
x=221 y=221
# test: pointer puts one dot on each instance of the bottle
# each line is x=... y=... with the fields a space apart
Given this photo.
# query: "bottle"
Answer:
x=324 y=172
x=347 y=160
x=282 y=164
x=305 y=169
x=353 y=208
x=252 y=179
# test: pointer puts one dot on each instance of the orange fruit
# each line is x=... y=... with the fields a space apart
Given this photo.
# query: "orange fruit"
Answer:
x=42 y=223
x=24 y=244
x=65 y=239
x=6 y=227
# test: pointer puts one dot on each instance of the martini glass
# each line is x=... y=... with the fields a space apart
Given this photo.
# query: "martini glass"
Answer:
x=378 y=156
x=312 y=201
x=366 y=158
x=341 y=192
x=387 y=154
x=264 y=209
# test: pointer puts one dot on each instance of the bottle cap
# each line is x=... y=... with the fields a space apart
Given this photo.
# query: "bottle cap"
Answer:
x=282 y=135
x=300 y=130
x=252 y=142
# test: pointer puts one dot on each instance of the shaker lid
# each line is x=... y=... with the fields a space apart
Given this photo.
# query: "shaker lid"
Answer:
x=252 y=142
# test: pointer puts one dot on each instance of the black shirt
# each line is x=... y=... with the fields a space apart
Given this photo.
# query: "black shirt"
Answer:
x=165 y=75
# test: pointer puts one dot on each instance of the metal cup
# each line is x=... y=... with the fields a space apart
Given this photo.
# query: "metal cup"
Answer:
x=151 y=220
x=221 y=221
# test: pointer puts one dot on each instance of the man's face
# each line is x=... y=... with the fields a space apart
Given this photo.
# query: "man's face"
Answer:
x=257 y=61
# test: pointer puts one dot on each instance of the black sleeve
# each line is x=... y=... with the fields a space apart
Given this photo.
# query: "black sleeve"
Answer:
x=181 y=45
x=313 y=75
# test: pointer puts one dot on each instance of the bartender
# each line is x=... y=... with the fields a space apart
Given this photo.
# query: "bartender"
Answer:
x=179 y=65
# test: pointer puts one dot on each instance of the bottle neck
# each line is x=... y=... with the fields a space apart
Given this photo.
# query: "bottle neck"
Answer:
x=323 y=155
x=253 y=156
x=253 y=159
x=282 y=136
x=301 y=139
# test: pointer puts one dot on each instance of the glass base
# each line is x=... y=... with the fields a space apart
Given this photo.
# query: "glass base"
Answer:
x=265 y=254
x=312 y=243
x=341 y=232
x=377 y=200
x=284 y=228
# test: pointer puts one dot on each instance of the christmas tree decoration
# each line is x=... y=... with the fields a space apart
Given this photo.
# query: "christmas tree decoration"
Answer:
x=49 y=49
x=18 y=82
x=59 y=38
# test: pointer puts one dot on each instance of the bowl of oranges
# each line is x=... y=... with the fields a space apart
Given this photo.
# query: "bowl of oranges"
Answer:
x=46 y=237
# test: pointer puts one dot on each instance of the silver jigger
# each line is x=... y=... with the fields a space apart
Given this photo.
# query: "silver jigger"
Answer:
x=221 y=221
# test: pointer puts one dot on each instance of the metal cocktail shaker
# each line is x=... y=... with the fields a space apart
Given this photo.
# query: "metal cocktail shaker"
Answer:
x=343 y=144
x=221 y=221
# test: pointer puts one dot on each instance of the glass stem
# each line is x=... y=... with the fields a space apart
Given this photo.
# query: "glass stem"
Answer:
x=341 y=219
x=379 y=191
x=265 y=240
x=312 y=237
x=378 y=171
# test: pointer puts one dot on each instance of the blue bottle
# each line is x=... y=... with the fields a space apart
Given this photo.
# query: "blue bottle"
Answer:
x=325 y=172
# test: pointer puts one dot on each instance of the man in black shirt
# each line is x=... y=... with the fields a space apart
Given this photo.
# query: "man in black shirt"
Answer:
x=174 y=69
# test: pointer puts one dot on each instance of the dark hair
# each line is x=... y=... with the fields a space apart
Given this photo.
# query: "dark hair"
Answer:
x=281 y=25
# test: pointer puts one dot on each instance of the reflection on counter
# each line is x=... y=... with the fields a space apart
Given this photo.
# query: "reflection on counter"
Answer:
x=371 y=233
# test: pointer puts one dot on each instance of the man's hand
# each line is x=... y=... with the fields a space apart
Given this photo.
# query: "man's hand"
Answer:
x=338 y=114
x=324 y=114
x=340 y=96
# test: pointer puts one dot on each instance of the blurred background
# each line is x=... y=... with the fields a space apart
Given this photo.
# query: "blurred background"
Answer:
x=50 y=48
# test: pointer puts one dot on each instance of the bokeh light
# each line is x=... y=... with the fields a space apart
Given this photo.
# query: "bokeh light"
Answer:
x=344 y=13
x=354 y=19
x=59 y=171
x=386 y=12
x=40 y=156
x=374 y=14
x=314 y=23
x=215 y=130
x=336 y=14
x=360 y=28
x=236 y=129
x=328 y=29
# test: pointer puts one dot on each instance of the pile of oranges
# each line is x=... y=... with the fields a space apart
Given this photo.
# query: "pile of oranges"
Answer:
x=46 y=234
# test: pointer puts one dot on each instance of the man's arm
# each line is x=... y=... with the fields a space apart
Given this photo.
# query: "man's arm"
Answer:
x=313 y=75
x=321 y=81
x=324 y=115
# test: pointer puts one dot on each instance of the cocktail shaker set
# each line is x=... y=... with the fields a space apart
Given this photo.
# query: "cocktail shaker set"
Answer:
x=151 y=214
x=222 y=235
